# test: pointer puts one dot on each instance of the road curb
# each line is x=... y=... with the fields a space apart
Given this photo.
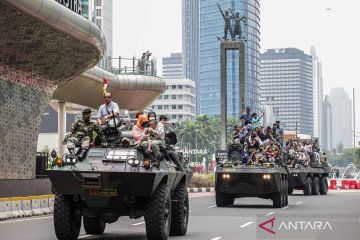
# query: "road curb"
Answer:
x=196 y=190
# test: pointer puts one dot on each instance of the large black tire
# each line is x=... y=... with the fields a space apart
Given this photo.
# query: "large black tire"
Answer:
x=290 y=191
x=158 y=214
x=180 y=211
x=224 y=199
x=308 y=186
x=94 y=225
x=278 y=197
x=67 y=221
x=323 y=186
x=286 y=192
x=315 y=186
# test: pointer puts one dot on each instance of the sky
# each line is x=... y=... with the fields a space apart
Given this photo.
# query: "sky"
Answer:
x=332 y=26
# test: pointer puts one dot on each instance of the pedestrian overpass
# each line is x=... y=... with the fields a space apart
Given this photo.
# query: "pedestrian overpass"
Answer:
x=48 y=51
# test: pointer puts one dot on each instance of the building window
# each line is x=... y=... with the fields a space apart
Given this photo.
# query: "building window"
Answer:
x=166 y=107
x=98 y=2
x=173 y=106
x=160 y=107
x=98 y=22
x=174 y=116
x=180 y=86
x=98 y=12
x=173 y=86
x=173 y=96
x=180 y=107
x=166 y=96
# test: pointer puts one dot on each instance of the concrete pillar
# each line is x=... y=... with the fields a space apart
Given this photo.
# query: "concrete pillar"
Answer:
x=224 y=46
x=61 y=127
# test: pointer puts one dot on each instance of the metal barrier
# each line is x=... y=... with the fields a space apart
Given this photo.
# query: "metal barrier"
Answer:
x=132 y=66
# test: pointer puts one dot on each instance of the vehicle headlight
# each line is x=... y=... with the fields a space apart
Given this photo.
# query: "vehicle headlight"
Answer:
x=134 y=162
x=266 y=176
x=226 y=176
x=70 y=160
x=295 y=175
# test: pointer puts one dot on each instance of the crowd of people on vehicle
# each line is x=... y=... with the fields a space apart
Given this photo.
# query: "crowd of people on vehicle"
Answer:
x=261 y=144
x=148 y=132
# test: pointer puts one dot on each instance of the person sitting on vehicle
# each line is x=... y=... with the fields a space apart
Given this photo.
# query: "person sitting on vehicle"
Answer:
x=247 y=115
x=160 y=128
x=252 y=156
x=150 y=135
x=81 y=133
x=272 y=151
x=138 y=130
x=109 y=111
x=255 y=120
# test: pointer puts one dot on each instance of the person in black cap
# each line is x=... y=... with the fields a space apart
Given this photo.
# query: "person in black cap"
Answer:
x=247 y=115
x=81 y=133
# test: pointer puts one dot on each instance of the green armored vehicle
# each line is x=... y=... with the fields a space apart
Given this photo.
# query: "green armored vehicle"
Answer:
x=310 y=177
x=121 y=180
x=236 y=178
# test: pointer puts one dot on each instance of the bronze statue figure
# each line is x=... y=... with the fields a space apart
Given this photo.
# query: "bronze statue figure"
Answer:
x=237 y=27
x=227 y=20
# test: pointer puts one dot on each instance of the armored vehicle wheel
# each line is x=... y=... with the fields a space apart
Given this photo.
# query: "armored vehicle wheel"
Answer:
x=278 y=197
x=94 y=225
x=180 y=211
x=308 y=186
x=315 y=186
x=67 y=221
x=290 y=191
x=323 y=186
x=286 y=192
x=224 y=199
x=158 y=214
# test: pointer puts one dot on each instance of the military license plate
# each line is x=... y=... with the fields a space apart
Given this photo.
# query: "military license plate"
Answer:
x=103 y=192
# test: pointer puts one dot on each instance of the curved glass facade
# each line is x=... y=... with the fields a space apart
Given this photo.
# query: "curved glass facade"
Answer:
x=212 y=27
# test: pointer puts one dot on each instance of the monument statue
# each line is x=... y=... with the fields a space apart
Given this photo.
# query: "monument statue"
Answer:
x=237 y=28
x=227 y=20
x=144 y=62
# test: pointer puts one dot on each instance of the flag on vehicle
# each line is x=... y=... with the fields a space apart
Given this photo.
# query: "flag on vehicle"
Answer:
x=105 y=84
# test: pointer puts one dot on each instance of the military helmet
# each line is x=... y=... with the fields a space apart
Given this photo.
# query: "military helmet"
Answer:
x=87 y=110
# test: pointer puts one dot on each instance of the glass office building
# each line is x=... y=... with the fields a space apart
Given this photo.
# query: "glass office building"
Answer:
x=212 y=27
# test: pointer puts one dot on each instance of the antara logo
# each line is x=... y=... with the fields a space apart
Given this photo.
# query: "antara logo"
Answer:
x=269 y=226
x=264 y=227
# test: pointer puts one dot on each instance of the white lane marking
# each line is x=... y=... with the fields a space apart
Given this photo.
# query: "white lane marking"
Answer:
x=211 y=206
x=298 y=203
x=26 y=219
x=136 y=224
x=285 y=207
x=246 y=224
x=84 y=236
x=217 y=238
x=270 y=213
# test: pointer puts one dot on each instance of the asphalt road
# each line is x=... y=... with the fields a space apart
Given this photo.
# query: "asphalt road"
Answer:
x=335 y=216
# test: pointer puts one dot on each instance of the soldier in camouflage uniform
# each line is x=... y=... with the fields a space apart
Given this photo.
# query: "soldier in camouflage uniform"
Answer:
x=81 y=133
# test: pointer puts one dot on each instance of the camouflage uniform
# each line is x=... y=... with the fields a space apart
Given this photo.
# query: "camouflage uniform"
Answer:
x=82 y=134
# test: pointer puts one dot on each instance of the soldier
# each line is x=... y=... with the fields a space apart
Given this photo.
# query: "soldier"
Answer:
x=81 y=133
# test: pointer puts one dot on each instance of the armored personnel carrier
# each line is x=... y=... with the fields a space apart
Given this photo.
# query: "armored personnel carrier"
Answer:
x=235 y=179
x=121 y=180
x=309 y=174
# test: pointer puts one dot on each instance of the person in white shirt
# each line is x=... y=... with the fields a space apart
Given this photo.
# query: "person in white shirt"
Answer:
x=108 y=111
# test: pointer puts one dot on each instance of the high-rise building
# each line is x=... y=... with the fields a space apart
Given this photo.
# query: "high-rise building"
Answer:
x=341 y=117
x=190 y=42
x=178 y=101
x=202 y=25
x=88 y=10
x=287 y=85
x=172 y=66
x=318 y=93
x=326 y=125
x=100 y=12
